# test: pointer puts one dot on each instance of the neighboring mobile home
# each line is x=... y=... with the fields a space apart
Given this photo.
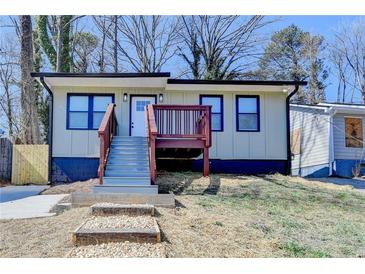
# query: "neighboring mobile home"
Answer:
x=244 y=131
x=328 y=139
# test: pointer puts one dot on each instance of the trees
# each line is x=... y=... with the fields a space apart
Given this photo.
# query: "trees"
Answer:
x=220 y=47
x=54 y=37
x=293 y=54
x=9 y=66
x=84 y=45
x=30 y=128
x=147 y=42
x=348 y=55
x=318 y=72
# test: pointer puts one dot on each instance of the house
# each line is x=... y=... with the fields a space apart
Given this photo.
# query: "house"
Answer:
x=328 y=139
x=119 y=125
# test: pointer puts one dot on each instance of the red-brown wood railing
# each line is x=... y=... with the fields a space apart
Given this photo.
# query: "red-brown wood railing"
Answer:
x=151 y=137
x=178 y=122
x=107 y=129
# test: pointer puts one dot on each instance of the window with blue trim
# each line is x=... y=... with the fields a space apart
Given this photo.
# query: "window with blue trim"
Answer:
x=216 y=101
x=248 y=113
x=86 y=111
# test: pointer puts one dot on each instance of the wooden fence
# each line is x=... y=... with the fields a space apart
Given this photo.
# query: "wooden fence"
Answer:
x=6 y=149
x=30 y=164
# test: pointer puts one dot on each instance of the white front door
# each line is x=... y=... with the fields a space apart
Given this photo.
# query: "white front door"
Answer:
x=138 y=115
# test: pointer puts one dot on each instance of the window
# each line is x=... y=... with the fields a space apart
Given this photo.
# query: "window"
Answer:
x=216 y=101
x=140 y=106
x=248 y=113
x=86 y=111
x=354 y=132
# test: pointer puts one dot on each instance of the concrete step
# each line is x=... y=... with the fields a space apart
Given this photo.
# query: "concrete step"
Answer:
x=130 y=138
x=127 y=164
x=129 y=148
x=129 y=144
x=135 y=182
x=128 y=152
x=127 y=180
x=133 y=169
x=141 y=189
x=114 y=160
x=124 y=173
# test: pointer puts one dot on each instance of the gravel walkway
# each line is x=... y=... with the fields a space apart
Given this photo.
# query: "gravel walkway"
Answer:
x=120 y=221
x=119 y=250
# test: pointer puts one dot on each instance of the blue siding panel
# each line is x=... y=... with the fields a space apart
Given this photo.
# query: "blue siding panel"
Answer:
x=71 y=169
x=248 y=167
x=317 y=171
x=344 y=168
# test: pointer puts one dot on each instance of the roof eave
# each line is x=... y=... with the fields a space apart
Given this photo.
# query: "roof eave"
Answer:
x=99 y=75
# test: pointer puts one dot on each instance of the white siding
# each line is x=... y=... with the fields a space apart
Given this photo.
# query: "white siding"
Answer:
x=314 y=143
x=341 y=151
x=269 y=143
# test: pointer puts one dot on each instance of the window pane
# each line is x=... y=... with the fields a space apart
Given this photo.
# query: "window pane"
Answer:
x=101 y=102
x=78 y=120
x=79 y=103
x=97 y=118
x=247 y=105
x=247 y=122
x=215 y=102
x=140 y=105
x=216 y=122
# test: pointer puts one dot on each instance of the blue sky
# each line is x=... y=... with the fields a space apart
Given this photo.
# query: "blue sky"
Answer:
x=323 y=25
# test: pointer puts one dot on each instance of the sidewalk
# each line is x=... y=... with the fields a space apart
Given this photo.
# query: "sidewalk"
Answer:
x=30 y=207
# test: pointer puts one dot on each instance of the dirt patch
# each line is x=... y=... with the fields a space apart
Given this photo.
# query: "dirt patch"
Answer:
x=81 y=186
x=272 y=216
x=40 y=237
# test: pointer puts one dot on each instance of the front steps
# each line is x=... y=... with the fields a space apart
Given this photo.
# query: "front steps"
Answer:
x=109 y=223
x=127 y=169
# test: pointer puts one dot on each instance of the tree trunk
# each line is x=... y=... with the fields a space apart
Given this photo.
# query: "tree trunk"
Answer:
x=115 y=47
x=59 y=43
x=30 y=127
x=9 y=111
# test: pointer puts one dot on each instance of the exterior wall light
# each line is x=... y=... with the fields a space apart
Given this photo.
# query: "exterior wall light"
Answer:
x=160 y=97
x=125 y=97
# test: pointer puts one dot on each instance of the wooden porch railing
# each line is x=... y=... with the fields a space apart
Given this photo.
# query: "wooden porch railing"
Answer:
x=107 y=129
x=188 y=122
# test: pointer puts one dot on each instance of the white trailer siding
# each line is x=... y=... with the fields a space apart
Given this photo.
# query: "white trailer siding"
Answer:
x=314 y=125
x=340 y=149
x=269 y=143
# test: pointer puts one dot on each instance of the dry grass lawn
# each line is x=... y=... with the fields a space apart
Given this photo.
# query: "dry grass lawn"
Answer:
x=274 y=216
x=40 y=237
x=222 y=216
x=83 y=186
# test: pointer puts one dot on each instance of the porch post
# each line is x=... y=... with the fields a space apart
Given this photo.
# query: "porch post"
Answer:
x=206 y=161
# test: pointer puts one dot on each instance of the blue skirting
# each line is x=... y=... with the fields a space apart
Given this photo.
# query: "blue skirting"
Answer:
x=248 y=167
x=344 y=168
x=317 y=171
x=71 y=169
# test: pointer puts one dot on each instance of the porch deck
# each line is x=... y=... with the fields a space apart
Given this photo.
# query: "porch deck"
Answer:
x=173 y=131
x=178 y=131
